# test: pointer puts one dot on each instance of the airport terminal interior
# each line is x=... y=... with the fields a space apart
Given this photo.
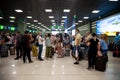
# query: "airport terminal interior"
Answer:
x=52 y=39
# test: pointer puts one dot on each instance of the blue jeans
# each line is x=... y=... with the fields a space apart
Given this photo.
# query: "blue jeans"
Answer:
x=104 y=52
x=40 y=51
x=79 y=51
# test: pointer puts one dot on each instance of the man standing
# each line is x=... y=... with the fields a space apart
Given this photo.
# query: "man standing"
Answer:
x=27 y=39
x=78 y=39
x=40 y=45
x=18 y=43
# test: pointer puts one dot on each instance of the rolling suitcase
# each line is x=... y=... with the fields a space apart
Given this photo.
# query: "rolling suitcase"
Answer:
x=67 y=52
x=12 y=50
x=100 y=63
x=116 y=52
x=4 y=51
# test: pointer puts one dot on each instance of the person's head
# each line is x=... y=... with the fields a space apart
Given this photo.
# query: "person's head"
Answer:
x=49 y=35
x=87 y=33
x=77 y=31
x=94 y=35
x=26 y=32
x=117 y=33
x=39 y=33
x=104 y=37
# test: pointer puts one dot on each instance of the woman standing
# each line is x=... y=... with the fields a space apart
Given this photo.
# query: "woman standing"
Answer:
x=93 y=49
x=48 y=43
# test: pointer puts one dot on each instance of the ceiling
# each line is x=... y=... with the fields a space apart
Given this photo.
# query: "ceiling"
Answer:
x=36 y=9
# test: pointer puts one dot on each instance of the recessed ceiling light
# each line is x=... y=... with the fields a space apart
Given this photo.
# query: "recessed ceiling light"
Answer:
x=66 y=10
x=85 y=17
x=76 y=23
x=62 y=20
x=48 y=10
x=12 y=17
x=52 y=20
x=1 y=17
x=19 y=10
x=39 y=23
x=80 y=21
x=53 y=23
x=51 y=16
x=35 y=20
x=32 y=25
x=95 y=11
x=64 y=16
x=42 y=25
x=62 y=23
x=113 y=0
x=29 y=16
x=12 y=21
x=27 y=23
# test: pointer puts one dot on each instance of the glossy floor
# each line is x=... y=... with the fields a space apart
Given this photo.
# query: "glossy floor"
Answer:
x=56 y=69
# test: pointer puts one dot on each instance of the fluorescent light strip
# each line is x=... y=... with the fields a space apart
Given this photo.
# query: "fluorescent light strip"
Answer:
x=51 y=16
x=80 y=21
x=62 y=20
x=27 y=23
x=48 y=10
x=62 y=23
x=113 y=0
x=85 y=17
x=66 y=10
x=19 y=10
x=29 y=16
x=95 y=11
x=12 y=21
x=52 y=20
x=39 y=23
x=64 y=17
x=35 y=20
x=1 y=17
x=12 y=17
x=76 y=23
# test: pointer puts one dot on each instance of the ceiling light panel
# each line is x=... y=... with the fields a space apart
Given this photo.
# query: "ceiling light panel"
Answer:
x=85 y=17
x=35 y=20
x=64 y=17
x=39 y=23
x=12 y=17
x=1 y=17
x=52 y=20
x=12 y=21
x=113 y=0
x=27 y=23
x=51 y=16
x=66 y=10
x=19 y=10
x=95 y=11
x=62 y=20
x=80 y=21
x=48 y=10
x=29 y=16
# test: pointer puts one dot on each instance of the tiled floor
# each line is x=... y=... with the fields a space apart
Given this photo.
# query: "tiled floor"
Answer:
x=56 y=69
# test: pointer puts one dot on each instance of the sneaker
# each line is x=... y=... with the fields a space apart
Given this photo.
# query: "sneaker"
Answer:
x=89 y=68
x=76 y=63
x=41 y=60
x=16 y=58
x=31 y=62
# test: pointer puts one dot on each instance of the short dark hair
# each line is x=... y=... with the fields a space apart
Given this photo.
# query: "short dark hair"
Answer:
x=49 y=35
x=26 y=32
x=93 y=34
x=77 y=30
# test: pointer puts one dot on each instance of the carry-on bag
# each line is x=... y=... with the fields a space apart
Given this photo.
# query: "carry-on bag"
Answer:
x=4 y=51
x=12 y=50
x=34 y=51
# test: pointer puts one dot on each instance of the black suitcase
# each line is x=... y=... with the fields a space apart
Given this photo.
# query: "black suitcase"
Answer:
x=100 y=63
x=4 y=51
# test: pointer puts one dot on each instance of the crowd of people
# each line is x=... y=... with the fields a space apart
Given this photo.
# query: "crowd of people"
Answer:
x=61 y=44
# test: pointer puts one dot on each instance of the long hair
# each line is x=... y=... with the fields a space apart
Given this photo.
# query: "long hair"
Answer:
x=104 y=37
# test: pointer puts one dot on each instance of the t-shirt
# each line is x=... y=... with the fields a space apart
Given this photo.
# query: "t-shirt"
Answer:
x=103 y=44
x=78 y=39
x=93 y=47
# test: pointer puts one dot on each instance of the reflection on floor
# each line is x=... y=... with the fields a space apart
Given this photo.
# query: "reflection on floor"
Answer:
x=56 y=69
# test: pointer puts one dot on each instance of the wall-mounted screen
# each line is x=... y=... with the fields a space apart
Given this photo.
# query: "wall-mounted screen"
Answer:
x=109 y=26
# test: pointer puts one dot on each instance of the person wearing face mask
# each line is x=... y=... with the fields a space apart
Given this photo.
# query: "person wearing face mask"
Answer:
x=93 y=44
x=78 y=39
